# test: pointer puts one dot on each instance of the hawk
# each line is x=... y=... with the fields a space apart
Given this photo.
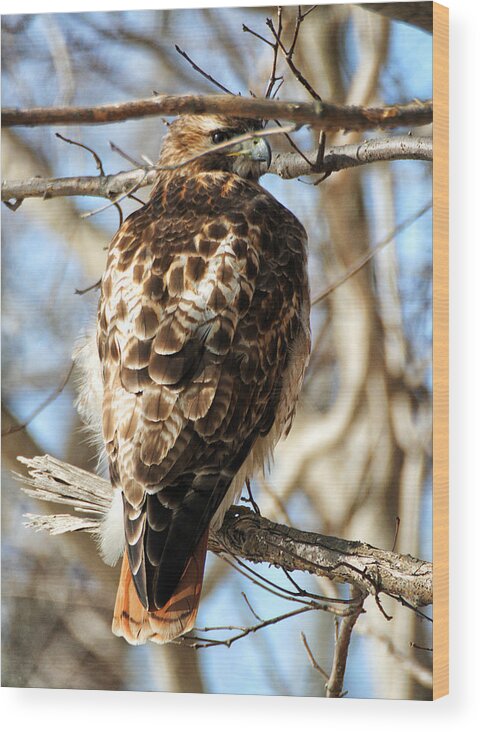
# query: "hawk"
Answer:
x=203 y=338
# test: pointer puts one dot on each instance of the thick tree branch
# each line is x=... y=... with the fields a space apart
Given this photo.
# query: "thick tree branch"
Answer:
x=244 y=534
x=286 y=165
x=340 y=157
x=321 y=115
x=369 y=569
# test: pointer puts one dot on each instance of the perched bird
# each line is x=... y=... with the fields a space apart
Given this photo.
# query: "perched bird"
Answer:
x=203 y=338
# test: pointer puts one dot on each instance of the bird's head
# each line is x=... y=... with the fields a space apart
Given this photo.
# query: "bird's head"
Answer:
x=202 y=141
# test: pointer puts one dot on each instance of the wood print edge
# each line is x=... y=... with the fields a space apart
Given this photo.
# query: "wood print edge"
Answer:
x=440 y=353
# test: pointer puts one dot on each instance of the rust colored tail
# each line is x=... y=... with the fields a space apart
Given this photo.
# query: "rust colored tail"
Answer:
x=132 y=621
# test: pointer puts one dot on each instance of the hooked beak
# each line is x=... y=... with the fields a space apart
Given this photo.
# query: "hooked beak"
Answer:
x=256 y=149
x=260 y=150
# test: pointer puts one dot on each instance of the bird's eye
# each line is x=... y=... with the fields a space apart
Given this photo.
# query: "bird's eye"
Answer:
x=219 y=136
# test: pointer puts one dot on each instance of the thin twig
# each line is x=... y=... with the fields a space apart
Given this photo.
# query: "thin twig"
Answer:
x=371 y=253
x=273 y=74
x=310 y=10
x=96 y=157
x=256 y=582
x=251 y=608
x=295 y=147
x=320 y=158
x=95 y=286
x=201 y=71
x=51 y=398
x=288 y=54
x=397 y=528
x=421 y=648
x=131 y=160
x=414 y=668
x=246 y=29
x=98 y=163
x=299 y=594
x=298 y=22
x=378 y=603
x=197 y=643
x=418 y=613
x=115 y=201
x=251 y=499
x=124 y=155
x=274 y=46
x=275 y=498
x=312 y=659
x=283 y=593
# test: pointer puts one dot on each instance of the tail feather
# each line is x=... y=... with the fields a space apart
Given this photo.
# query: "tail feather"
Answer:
x=177 y=617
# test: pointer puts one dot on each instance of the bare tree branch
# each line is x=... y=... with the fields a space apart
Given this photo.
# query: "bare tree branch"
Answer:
x=286 y=165
x=322 y=115
x=288 y=53
x=197 y=68
x=245 y=534
x=98 y=163
x=342 y=643
x=340 y=157
x=197 y=642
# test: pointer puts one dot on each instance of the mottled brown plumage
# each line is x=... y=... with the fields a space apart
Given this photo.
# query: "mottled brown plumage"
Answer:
x=203 y=339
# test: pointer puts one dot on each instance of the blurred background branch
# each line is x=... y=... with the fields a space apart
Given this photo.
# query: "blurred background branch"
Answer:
x=418 y=14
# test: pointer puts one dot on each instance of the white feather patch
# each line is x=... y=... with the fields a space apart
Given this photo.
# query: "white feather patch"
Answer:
x=90 y=390
x=112 y=534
